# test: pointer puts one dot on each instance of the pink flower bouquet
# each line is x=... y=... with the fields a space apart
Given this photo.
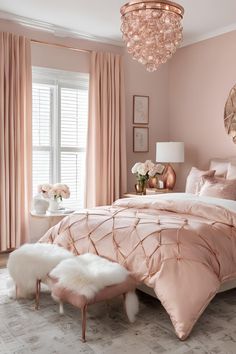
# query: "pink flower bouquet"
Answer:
x=55 y=191
x=59 y=191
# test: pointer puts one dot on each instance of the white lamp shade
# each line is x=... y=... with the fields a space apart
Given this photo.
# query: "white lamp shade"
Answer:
x=170 y=152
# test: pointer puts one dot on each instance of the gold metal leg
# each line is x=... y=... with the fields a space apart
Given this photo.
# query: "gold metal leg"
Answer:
x=16 y=290
x=84 y=313
x=37 y=294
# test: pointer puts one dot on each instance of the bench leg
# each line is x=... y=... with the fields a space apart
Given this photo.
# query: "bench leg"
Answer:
x=83 y=314
x=37 y=294
x=61 y=308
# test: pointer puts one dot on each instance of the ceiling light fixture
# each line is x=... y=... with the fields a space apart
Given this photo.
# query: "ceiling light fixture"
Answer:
x=152 y=30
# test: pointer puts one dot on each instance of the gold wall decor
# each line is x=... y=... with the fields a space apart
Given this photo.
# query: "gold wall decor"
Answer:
x=230 y=114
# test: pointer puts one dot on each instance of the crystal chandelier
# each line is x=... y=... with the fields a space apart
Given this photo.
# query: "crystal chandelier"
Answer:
x=152 y=30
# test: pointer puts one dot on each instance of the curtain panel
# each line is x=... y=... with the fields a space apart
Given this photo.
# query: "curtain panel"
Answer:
x=15 y=139
x=106 y=167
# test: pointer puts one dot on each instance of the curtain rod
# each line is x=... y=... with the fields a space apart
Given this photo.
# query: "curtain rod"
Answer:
x=60 y=46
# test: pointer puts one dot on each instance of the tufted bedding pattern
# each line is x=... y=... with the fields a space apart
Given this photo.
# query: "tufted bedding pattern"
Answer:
x=183 y=249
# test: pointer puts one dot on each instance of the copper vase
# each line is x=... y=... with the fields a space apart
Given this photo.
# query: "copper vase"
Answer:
x=153 y=182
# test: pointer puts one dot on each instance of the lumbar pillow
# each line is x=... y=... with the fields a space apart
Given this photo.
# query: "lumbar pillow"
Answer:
x=219 y=188
x=194 y=179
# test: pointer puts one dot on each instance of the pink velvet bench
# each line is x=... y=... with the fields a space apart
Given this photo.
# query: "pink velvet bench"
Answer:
x=62 y=295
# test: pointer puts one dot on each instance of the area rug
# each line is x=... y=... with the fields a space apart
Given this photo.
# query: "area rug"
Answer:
x=24 y=330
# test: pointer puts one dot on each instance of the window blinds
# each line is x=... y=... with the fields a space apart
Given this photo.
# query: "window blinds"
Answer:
x=60 y=115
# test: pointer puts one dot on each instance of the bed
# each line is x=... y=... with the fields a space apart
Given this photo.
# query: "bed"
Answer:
x=181 y=245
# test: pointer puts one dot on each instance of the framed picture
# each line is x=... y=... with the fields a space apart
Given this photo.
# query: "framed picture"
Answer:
x=140 y=139
x=140 y=109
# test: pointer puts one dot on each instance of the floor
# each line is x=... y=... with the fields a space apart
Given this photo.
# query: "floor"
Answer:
x=24 y=330
x=3 y=259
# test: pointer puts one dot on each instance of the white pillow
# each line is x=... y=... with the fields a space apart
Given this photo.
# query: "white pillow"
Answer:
x=231 y=173
x=220 y=166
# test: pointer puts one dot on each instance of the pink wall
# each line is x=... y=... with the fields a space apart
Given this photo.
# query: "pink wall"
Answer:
x=200 y=78
x=155 y=85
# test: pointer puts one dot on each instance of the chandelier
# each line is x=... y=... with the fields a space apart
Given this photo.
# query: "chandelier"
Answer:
x=152 y=30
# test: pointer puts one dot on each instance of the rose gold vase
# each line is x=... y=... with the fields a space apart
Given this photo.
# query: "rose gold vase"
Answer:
x=153 y=182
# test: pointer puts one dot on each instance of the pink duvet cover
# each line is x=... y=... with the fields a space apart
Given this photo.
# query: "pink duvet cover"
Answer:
x=183 y=249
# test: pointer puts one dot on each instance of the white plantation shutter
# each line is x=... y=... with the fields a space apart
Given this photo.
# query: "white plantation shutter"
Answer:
x=41 y=134
x=60 y=115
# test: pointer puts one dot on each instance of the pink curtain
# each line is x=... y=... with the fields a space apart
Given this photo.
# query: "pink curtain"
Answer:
x=106 y=149
x=15 y=139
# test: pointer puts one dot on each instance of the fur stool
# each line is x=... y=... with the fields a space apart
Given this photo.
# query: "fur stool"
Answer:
x=30 y=264
x=89 y=279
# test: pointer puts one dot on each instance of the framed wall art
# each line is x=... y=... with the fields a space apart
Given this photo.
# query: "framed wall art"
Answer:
x=140 y=109
x=140 y=139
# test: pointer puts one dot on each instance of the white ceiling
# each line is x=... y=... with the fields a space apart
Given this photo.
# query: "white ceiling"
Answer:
x=100 y=20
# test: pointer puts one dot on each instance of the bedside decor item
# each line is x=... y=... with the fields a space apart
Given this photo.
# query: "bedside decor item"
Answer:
x=230 y=114
x=140 y=139
x=144 y=171
x=140 y=109
x=40 y=205
x=169 y=152
x=141 y=170
x=154 y=175
x=54 y=193
x=152 y=30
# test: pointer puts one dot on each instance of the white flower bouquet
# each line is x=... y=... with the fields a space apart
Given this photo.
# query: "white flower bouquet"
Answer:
x=144 y=171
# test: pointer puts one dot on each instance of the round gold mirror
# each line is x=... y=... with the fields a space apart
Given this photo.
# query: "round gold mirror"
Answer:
x=230 y=114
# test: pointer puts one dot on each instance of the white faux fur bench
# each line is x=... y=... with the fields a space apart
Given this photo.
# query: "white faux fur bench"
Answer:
x=88 y=279
x=30 y=264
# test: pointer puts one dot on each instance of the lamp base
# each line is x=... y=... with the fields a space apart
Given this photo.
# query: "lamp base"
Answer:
x=169 y=177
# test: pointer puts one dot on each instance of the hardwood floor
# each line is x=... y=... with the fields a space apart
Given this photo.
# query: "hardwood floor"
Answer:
x=3 y=260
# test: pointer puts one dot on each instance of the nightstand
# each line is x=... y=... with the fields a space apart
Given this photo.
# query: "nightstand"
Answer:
x=41 y=223
x=149 y=191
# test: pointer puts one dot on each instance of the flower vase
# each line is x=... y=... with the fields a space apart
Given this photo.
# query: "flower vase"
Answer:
x=153 y=182
x=140 y=187
x=53 y=205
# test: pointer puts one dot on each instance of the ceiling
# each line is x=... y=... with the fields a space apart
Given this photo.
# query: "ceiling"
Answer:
x=100 y=20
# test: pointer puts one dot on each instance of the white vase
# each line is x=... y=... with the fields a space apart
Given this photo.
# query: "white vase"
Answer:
x=53 y=206
x=40 y=205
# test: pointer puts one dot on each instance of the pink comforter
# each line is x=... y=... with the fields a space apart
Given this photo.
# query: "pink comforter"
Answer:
x=183 y=249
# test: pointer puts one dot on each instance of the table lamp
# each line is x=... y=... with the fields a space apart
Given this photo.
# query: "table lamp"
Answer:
x=169 y=152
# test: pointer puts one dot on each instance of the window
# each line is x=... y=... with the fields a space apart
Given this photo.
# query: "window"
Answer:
x=60 y=115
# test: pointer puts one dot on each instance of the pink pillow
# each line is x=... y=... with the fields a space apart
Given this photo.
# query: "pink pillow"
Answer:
x=194 y=179
x=219 y=188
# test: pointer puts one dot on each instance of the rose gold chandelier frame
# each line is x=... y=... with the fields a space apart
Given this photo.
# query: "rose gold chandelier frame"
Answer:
x=163 y=5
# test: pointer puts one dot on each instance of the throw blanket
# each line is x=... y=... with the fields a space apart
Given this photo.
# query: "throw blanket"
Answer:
x=183 y=249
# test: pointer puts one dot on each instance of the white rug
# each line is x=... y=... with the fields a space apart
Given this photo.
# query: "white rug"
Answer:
x=24 y=330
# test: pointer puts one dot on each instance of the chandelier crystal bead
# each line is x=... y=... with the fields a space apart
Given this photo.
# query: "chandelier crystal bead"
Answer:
x=152 y=30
